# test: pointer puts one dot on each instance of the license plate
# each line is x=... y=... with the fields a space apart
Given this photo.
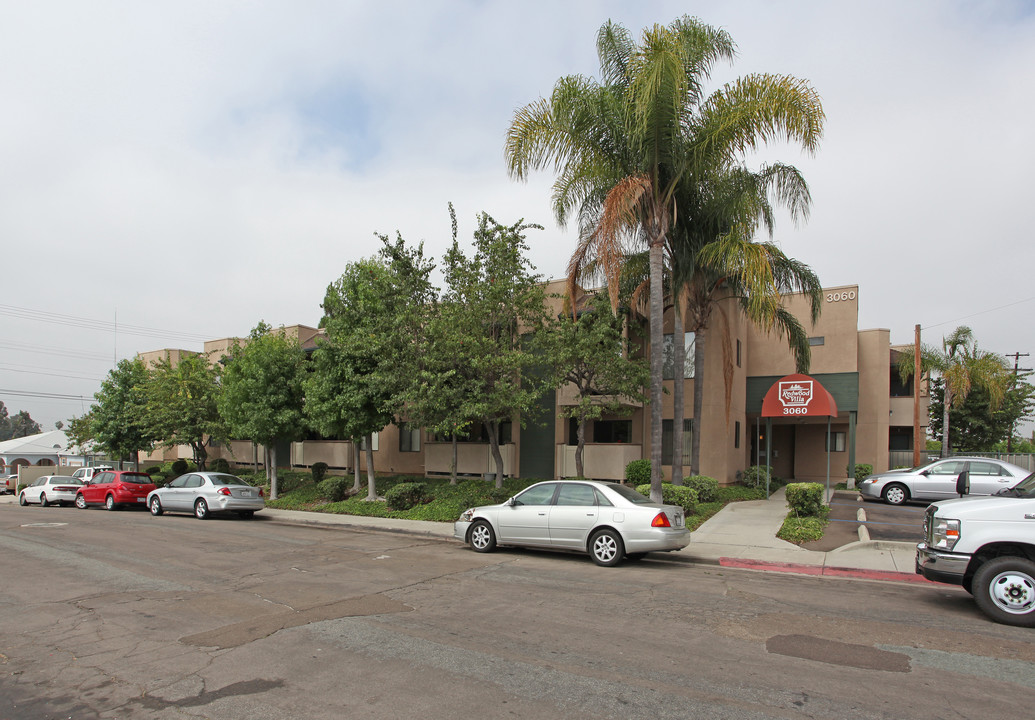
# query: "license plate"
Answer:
x=141 y=499
x=247 y=493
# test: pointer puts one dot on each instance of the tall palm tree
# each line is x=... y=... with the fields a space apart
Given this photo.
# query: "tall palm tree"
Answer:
x=714 y=256
x=962 y=366
x=622 y=146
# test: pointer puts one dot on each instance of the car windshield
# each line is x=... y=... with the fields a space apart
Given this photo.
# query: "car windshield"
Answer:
x=1025 y=488
x=138 y=478
x=226 y=480
x=628 y=493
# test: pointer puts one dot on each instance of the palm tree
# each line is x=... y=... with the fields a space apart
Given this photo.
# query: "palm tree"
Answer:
x=623 y=146
x=714 y=256
x=962 y=366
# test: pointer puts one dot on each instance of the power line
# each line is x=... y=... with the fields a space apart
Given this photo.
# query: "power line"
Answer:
x=965 y=317
x=107 y=326
x=8 y=368
x=53 y=396
x=60 y=352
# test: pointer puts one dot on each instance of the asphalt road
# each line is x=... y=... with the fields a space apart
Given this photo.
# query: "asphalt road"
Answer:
x=121 y=615
x=901 y=523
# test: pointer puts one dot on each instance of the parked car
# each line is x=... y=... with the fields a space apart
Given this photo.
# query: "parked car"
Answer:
x=204 y=493
x=87 y=473
x=114 y=489
x=606 y=520
x=937 y=480
x=8 y=484
x=51 y=490
x=987 y=546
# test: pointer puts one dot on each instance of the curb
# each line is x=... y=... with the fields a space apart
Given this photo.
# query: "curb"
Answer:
x=886 y=575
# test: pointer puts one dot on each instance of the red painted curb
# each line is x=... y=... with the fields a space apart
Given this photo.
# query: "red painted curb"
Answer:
x=821 y=570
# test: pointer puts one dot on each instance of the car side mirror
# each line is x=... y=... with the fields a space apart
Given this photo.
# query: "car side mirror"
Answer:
x=512 y=502
x=963 y=484
x=86 y=482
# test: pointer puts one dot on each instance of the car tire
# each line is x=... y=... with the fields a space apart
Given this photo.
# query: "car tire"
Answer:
x=482 y=537
x=80 y=501
x=895 y=494
x=246 y=514
x=606 y=547
x=155 y=506
x=21 y=499
x=109 y=503
x=1004 y=589
x=43 y=500
x=201 y=509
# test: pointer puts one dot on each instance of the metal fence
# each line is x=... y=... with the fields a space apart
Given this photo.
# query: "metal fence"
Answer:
x=904 y=458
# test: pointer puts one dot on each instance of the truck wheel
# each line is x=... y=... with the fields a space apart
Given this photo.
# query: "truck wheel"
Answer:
x=1004 y=589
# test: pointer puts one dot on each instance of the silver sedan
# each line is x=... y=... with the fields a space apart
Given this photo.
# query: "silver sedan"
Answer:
x=937 y=480
x=606 y=520
x=204 y=493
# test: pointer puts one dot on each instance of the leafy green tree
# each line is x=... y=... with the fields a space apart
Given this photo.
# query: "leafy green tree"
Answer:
x=591 y=354
x=261 y=395
x=623 y=146
x=498 y=308
x=962 y=366
x=373 y=315
x=120 y=425
x=181 y=405
x=977 y=426
x=18 y=425
x=80 y=431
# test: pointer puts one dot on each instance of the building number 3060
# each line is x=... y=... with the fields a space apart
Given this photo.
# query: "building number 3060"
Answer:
x=841 y=296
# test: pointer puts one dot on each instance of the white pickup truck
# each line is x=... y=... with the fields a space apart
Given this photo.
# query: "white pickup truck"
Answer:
x=987 y=545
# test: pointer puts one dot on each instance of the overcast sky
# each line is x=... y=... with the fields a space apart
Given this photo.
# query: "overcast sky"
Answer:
x=183 y=170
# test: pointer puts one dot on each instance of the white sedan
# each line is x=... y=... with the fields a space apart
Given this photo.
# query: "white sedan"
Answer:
x=51 y=490
x=606 y=520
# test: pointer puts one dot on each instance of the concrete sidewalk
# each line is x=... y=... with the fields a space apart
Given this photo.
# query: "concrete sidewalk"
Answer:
x=742 y=534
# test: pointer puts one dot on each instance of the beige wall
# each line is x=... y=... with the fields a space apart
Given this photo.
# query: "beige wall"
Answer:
x=874 y=399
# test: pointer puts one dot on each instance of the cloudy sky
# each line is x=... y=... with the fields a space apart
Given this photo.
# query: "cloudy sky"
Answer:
x=172 y=172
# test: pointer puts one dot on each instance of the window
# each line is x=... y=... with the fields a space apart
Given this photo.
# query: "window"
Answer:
x=984 y=468
x=820 y=340
x=838 y=441
x=738 y=352
x=537 y=495
x=668 y=359
x=576 y=495
x=666 y=440
x=363 y=443
x=949 y=467
x=409 y=438
x=736 y=428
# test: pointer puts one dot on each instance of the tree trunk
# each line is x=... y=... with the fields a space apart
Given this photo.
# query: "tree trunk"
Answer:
x=371 y=485
x=355 y=466
x=453 y=462
x=678 y=371
x=274 y=494
x=136 y=460
x=695 y=438
x=255 y=458
x=656 y=259
x=580 y=448
x=494 y=446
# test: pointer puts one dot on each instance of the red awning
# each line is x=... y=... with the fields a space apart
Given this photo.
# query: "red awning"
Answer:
x=798 y=396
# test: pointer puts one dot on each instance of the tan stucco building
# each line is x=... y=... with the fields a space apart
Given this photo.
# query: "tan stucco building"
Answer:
x=874 y=419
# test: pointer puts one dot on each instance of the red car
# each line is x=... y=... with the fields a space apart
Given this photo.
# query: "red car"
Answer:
x=113 y=488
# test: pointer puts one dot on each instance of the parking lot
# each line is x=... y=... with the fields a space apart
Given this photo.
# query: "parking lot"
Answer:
x=900 y=523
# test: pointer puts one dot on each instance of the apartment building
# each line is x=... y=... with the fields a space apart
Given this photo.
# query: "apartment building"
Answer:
x=874 y=410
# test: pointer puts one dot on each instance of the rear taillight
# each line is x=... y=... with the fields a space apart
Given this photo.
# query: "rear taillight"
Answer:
x=224 y=491
x=260 y=493
x=660 y=520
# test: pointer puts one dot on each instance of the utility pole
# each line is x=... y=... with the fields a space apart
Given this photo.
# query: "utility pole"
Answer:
x=1016 y=368
x=916 y=398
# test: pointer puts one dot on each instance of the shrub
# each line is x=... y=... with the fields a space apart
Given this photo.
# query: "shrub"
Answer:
x=799 y=530
x=220 y=465
x=680 y=495
x=755 y=476
x=406 y=495
x=861 y=471
x=180 y=466
x=805 y=499
x=333 y=489
x=638 y=472
x=707 y=488
x=319 y=472
x=154 y=470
